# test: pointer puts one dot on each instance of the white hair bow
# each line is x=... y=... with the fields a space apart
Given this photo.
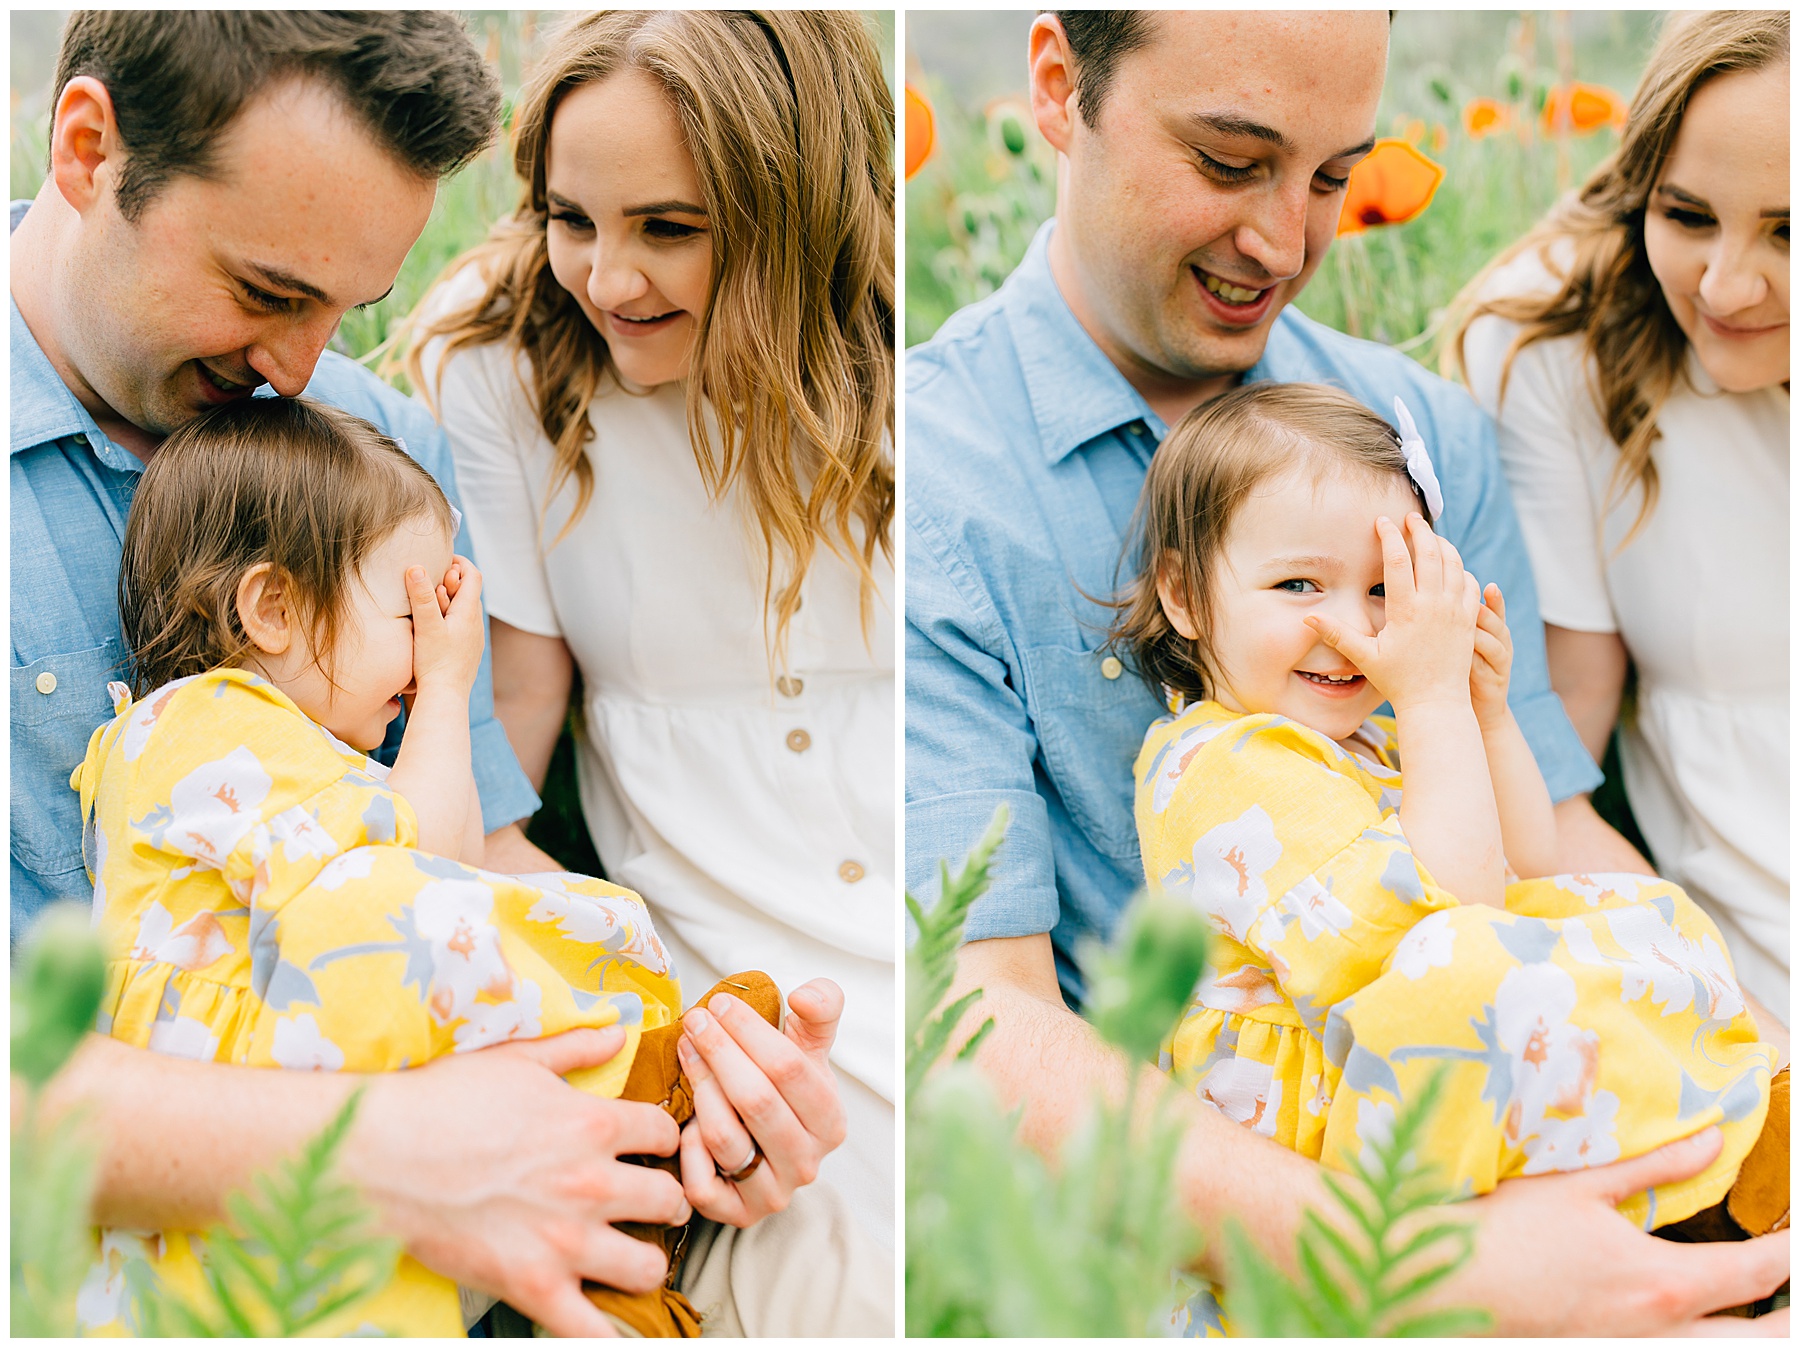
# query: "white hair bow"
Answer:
x=1418 y=461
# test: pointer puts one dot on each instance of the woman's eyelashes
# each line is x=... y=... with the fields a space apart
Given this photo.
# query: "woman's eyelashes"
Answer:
x=670 y=231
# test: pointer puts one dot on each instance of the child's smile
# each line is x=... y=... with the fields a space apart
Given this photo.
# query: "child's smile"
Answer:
x=1304 y=543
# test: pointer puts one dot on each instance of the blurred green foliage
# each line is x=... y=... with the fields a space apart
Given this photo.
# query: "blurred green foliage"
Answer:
x=1000 y=1243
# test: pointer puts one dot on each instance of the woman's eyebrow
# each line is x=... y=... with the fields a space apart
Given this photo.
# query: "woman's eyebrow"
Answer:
x=1670 y=190
x=665 y=208
x=1775 y=213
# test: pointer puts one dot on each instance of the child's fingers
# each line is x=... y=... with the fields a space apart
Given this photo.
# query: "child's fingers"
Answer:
x=423 y=596
x=1396 y=565
x=1353 y=646
x=1495 y=600
x=1489 y=647
x=1428 y=554
x=468 y=582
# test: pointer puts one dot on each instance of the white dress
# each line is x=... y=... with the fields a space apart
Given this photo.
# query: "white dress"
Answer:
x=757 y=819
x=1700 y=598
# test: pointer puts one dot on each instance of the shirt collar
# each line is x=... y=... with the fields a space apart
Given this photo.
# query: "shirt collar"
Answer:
x=43 y=408
x=1076 y=392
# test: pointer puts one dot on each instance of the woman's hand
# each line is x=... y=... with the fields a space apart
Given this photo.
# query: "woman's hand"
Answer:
x=1491 y=672
x=756 y=1087
x=447 y=631
x=1424 y=650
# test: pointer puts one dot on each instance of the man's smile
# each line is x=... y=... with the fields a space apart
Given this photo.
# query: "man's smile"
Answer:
x=1231 y=304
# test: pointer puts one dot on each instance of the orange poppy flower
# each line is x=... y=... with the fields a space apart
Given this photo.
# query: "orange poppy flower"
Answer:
x=1484 y=115
x=921 y=130
x=1583 y=108
x=1393 y=185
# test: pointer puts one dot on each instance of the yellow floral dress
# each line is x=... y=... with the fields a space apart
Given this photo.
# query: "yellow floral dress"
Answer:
x=265 y=903
x=1595 y=1018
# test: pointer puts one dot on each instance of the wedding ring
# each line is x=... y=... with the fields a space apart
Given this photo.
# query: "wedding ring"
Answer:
x=748 y=1168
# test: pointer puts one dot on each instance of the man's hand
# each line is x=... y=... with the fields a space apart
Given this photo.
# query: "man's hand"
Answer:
x=753 y=1082
x=1553 y=1257
x=496 y=1173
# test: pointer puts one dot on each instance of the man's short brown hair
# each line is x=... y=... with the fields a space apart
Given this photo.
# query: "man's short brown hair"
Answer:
x=1098 y=40
x=412 y=78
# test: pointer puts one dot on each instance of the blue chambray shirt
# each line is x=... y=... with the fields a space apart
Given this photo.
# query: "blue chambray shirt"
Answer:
x=1025 y=453
x=71 y=491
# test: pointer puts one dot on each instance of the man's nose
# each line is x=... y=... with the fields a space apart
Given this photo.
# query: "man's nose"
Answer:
x=287 y=354
x=1275 y=235
x=1734 y=279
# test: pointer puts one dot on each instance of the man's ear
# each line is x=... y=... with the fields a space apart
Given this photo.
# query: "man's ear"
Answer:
x=1052 y=72
x=85 y=151
x=266 y=609
x=1171 y=591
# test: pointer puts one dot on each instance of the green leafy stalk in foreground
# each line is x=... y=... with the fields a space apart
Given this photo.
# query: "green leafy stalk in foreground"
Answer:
x=997 y=1241
x=1364 y=1273
x=306 y=1254
x=931 y=963
x=56 y=990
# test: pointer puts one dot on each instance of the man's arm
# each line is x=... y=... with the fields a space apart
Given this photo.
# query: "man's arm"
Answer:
x=487 y=1166
x=1589 y=1271
x=533 y=675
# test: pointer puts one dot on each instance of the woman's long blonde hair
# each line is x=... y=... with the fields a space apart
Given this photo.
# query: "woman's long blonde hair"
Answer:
x=791 y=126
x=1635 y=347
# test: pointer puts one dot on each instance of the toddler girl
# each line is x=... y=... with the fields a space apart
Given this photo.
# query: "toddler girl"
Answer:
x=1367 y=932
x=272 y=896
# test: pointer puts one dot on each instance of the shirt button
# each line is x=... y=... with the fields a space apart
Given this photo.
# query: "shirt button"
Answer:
x=789 y=687
x=1111 y=667
x=850 y=872
x=799 y=741
x=46 y=682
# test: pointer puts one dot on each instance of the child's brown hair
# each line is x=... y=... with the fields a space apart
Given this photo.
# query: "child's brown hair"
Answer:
x=307 y=488
x=1202 y=472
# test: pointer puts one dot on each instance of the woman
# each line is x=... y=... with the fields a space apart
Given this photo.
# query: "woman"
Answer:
x=1633 y=350
x=668 y=381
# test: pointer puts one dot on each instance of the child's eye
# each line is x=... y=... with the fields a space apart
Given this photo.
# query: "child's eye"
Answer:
x=1378 y=592
x=1298 y=586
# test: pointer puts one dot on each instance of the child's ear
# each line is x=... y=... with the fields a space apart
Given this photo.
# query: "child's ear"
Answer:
x=265 y=608
x=1171 y=590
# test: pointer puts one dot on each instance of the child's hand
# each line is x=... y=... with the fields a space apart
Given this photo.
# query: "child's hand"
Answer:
x=1424 y=650
x=1492 y=670
x=447 y=632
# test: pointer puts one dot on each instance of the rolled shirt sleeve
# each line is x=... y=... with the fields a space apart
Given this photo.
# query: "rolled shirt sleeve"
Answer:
x=969 y=746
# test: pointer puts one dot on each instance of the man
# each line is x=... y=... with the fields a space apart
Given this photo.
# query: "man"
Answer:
x=223 y=186
x=1202 y=164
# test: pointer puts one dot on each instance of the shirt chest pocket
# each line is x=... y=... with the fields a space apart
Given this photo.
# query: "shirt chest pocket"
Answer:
x=1090 y=713
x=57 y=703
